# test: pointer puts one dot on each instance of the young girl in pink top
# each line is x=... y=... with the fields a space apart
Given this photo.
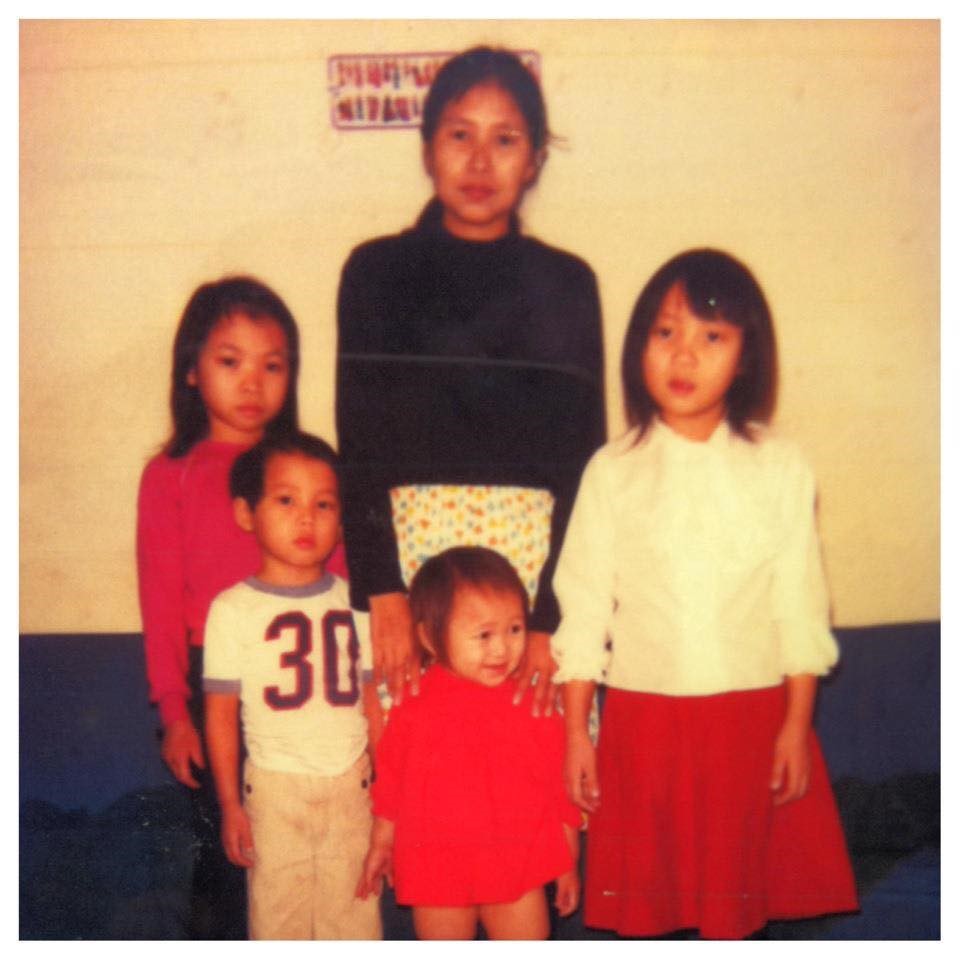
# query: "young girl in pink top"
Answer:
x=235 y=364
x=690 y=583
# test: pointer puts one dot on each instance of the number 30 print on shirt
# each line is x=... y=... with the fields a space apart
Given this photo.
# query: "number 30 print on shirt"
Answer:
x=296 y=656
x=340 y=644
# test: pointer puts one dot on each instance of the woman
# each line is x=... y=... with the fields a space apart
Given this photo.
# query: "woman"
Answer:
x=470 y=368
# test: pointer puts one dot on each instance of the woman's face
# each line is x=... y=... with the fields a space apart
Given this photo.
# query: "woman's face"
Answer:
x=480 y=160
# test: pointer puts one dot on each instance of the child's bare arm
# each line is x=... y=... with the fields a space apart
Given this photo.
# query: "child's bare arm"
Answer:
x=580 y=764
x=223 y=746
x=790 y=775
x=379 y=860
x=180 y=749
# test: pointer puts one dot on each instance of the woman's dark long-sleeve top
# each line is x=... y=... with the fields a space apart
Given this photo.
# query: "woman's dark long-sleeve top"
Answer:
x=462 y=363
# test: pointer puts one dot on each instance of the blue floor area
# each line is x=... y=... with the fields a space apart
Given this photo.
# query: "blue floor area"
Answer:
x=106 y=846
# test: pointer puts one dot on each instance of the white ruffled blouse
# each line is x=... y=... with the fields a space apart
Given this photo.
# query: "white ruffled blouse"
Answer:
x=698 y=562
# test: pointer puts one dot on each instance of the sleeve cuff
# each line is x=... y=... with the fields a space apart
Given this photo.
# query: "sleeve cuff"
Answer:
x=173 y=707
x=807 y=648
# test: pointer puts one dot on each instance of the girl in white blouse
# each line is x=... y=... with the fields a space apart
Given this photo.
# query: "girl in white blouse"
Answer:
x=690 y=583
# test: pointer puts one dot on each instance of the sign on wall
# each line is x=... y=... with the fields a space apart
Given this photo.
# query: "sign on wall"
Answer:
x=385 y=91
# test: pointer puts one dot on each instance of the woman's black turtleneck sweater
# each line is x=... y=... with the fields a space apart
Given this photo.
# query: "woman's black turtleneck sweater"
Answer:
x=462 y=362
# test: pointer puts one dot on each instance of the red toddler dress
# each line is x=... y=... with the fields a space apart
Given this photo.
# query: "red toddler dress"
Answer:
x=474 y=786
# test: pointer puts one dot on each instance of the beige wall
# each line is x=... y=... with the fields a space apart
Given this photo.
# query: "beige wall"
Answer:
x=155 y=156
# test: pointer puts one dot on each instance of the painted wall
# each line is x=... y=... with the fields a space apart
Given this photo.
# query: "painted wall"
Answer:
x=158 y=155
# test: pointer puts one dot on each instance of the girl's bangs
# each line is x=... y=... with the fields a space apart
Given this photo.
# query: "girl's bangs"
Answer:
x=712 y=300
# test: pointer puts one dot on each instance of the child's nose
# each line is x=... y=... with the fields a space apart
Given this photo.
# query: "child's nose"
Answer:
x=685 y=352
x=498 y=645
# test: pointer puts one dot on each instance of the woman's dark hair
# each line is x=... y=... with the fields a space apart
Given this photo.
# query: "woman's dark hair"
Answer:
x=483 y=65
x=435 y=585
x=716 y=286
x=250 y=468
x=209 y=304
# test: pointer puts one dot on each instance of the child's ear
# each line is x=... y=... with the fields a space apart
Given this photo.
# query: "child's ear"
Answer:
x=427 y=160
x=243 y=514
x=425 y=641
x=192 y=377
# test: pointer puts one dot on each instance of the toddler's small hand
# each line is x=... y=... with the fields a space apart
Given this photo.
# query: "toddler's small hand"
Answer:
x=568 y=893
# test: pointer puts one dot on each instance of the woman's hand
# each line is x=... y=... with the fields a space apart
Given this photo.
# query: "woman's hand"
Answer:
x=790 y=776
x=394 y=651
x=580 y=772
x=180 y=747
x=537 y=661
x=237 y=836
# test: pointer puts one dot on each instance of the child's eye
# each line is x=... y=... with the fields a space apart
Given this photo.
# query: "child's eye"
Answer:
x=661 y=332
x=276 y=366
x=516 y=628
x=507 y=139
x=459 y=133
x=227 y=361
x=715 y=336
x=284 y=499
x=327 y=504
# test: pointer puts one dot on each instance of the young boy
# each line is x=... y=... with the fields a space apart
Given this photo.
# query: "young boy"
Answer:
x=285 y=648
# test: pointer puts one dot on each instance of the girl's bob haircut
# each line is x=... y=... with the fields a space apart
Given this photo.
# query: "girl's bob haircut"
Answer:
x=477 y=67
x=435 y=584
x=716 y=286
x=210 y=304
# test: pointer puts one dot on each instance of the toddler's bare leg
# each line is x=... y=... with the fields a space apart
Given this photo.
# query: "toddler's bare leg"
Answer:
x=524 y=919
x=445 y=923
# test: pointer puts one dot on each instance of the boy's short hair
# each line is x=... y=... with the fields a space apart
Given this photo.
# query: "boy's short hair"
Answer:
x=250 y=468
x=435 y=584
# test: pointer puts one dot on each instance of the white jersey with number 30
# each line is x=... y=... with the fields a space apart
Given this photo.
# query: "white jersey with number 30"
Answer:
x=296 y=656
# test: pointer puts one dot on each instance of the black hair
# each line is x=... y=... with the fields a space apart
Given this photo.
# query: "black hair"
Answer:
x=209 y=304
x=716 y=286
x=250 y=468
x=435 y=584
x=483 y=65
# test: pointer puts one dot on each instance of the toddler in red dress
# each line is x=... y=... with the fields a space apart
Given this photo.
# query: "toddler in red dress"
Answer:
x=471 y=817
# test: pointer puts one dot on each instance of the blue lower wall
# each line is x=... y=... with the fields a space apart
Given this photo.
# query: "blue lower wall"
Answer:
x=104 y=829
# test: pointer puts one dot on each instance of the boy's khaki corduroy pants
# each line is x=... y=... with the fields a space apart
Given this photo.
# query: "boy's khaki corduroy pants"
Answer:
x=310 y=836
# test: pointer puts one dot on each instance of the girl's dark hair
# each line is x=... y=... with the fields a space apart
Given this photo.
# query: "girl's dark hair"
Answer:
x=482 y=65
x=210 y=303
x=716 y=287
x=250 y=468
x=435 y=585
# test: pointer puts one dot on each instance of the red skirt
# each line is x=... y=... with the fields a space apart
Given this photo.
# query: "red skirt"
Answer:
x=687 y=835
